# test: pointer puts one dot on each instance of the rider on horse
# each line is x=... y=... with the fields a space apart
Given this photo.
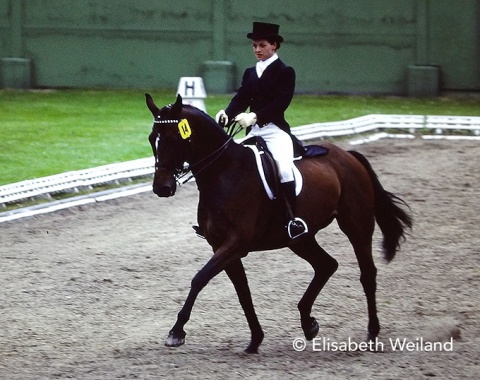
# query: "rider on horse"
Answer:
x=267 y=89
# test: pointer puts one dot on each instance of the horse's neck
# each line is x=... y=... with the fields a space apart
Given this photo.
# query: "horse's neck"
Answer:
x=211 y=166
x=213 y=152
x=207 y=138
x=204 y=145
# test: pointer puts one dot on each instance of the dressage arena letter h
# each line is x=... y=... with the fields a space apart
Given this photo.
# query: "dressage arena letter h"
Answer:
x=189 y=86
x=192 y=91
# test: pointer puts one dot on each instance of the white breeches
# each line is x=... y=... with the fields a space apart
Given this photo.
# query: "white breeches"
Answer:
x=280 y=145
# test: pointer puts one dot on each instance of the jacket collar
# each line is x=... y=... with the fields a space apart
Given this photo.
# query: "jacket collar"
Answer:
x=261 y=66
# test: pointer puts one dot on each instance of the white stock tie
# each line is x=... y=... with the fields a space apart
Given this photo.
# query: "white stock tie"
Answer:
x=260 y=67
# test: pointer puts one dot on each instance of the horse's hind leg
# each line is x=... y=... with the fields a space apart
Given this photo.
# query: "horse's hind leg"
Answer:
x=236 y=273
x=368 y=275
x=324 y=266
x=360 y=236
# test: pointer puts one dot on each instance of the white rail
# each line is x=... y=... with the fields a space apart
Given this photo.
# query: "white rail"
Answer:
x=373 y=122
x=73 y=180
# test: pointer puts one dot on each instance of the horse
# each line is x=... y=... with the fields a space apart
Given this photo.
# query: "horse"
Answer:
x=236 y=216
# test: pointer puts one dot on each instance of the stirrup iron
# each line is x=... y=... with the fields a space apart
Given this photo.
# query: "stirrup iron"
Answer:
x=296 y=228
x=198 y=231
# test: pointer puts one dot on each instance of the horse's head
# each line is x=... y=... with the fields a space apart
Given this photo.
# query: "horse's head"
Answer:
x=169 y=141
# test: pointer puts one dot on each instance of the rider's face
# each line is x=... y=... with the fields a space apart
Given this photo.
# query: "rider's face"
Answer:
x=263 y=49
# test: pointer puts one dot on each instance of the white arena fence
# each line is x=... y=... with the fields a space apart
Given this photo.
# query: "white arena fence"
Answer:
x=441 y=126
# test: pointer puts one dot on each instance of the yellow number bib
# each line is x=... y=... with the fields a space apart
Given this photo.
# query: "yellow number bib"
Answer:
x=184 y=129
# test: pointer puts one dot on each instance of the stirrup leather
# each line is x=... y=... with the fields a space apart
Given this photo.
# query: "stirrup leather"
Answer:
x=296 y=227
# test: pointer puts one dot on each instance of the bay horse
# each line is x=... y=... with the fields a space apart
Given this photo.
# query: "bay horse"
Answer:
x=236 y=216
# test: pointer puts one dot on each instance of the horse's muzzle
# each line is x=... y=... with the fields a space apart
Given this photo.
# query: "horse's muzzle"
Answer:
x=164 y=186
x=164 y=191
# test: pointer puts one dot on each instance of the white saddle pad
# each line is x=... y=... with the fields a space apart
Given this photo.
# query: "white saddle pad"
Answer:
x=296 y=173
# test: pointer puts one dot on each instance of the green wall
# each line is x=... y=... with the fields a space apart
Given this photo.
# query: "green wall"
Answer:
x=345 y=46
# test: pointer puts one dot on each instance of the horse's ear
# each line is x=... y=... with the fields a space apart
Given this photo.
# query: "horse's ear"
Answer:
x=177 y=106
x=151 y=104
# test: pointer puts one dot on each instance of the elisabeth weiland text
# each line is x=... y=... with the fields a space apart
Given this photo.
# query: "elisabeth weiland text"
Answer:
x=397 y=344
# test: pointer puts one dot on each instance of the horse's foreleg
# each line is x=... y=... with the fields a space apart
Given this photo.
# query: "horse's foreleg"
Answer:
x=236 y=273
x=324 y=266
x=215 y=265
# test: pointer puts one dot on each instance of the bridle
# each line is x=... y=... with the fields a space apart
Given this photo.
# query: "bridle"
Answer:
x=200 y=165
x=167 y=121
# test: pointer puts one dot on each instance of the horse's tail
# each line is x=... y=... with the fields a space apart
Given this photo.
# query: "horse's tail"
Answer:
x=390 y=217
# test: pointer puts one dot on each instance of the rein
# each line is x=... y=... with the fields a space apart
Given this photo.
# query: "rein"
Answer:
x=232 y=128
x=215 y=155
x=231 y=131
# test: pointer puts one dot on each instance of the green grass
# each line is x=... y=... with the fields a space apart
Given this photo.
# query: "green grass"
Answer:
x=53 y=131
x=310 y=109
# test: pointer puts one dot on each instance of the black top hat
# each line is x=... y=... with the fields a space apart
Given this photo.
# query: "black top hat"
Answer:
x=264 y=30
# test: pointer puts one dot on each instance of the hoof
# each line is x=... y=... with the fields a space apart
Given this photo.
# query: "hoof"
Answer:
x=311 y=330
x=174 y=341
x=251 y=350
x=257 y=339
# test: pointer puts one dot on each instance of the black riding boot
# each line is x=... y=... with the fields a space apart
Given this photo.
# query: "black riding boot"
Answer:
x=296 y=226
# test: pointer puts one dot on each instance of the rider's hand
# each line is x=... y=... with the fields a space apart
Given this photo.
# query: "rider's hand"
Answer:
x=246 y=119
x=221 y=118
